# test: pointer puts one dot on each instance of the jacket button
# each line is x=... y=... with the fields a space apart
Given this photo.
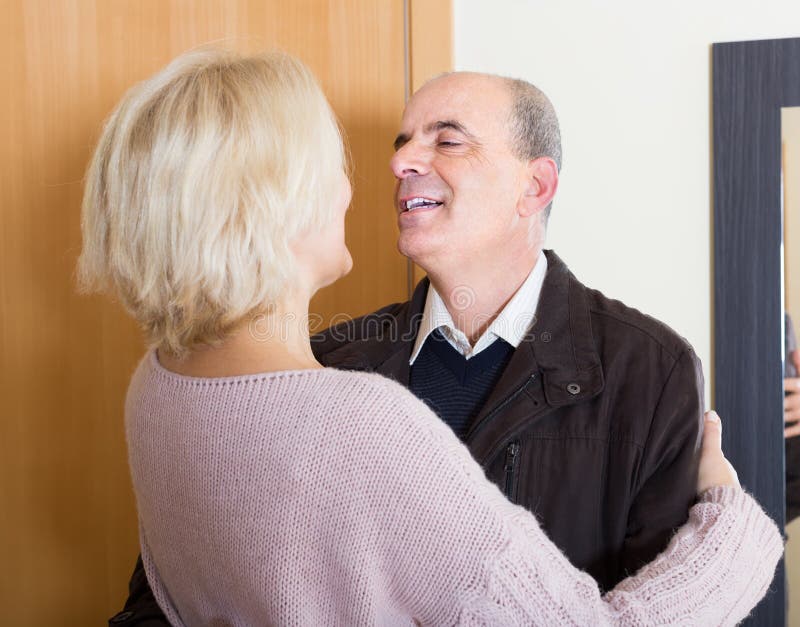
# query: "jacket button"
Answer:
x=546 y=337
x=573 y=388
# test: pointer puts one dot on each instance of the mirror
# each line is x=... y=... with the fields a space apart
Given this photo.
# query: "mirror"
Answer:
x=790 y=183
x=752 y=82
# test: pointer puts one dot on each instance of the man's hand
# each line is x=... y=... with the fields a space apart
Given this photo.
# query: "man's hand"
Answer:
x=791 y=401
x=715 y=470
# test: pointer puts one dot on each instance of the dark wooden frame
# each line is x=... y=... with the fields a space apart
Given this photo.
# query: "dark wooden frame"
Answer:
x=752 y=81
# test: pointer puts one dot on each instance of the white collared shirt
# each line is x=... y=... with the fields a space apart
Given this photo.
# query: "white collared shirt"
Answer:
x=511 y=324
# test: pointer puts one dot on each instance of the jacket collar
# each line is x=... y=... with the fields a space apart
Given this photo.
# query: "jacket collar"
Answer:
x=561 y=338
x=378 y=342
x=559 y=347
x=396 y=365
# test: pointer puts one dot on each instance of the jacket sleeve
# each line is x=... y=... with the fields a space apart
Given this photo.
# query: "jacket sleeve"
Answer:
x=141 y=608
x=667 y=479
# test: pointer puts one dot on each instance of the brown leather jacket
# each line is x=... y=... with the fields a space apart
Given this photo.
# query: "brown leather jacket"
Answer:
x=594 y=425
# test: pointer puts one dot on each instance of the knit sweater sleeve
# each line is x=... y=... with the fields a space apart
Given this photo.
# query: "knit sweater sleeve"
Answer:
x=459 y=553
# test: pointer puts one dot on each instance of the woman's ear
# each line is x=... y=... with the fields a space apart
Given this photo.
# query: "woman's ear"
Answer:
x=541 y=184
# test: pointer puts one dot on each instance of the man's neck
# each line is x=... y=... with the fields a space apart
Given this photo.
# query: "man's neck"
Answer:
x=476 y=296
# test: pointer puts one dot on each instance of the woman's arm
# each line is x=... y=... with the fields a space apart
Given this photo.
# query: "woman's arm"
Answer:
x=460 y=552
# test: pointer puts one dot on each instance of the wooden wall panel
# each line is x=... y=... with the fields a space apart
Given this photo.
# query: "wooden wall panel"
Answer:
x=430 y=39
x=67 y=518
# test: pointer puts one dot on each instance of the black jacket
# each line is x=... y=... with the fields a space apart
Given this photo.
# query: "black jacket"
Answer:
x=594 y=425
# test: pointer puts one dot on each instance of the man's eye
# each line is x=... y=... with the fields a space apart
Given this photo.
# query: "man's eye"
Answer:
x=448 y=143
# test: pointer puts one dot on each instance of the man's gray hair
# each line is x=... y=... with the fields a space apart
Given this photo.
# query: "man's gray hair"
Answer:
x=533 y=125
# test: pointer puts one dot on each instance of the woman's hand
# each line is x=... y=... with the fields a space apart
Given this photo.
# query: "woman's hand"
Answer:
x=715 y=470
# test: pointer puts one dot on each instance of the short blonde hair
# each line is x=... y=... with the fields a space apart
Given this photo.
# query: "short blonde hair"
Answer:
x=202 y=176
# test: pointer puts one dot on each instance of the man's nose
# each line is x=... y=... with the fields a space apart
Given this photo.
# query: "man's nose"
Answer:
x=410 y=159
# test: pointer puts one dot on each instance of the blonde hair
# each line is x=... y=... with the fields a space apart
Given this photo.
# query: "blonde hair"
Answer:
x=202 y=176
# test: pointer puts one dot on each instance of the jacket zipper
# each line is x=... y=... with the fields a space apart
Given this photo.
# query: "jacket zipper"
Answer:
x=497 y=409
x=512 y=455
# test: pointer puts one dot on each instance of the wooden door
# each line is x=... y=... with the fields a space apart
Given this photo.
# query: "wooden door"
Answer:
x=68 y=534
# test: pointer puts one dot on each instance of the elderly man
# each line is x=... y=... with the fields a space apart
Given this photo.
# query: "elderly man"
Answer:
x=581 y=409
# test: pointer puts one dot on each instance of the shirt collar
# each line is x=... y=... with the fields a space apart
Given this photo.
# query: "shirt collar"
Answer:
x=511 y=324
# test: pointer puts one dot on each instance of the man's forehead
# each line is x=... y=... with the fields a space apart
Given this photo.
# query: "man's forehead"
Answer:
x=458 y=96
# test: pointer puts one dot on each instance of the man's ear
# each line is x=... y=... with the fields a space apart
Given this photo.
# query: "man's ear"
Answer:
x=541 y=183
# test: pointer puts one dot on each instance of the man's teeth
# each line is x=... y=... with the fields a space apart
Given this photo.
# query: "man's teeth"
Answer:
x=416 y=203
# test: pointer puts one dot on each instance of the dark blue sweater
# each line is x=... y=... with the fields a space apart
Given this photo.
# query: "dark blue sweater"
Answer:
x=456 y=388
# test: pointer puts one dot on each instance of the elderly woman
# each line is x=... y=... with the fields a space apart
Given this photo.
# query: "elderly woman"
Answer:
x=271 y=490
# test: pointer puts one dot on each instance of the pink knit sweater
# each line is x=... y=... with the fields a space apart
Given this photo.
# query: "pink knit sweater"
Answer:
x=323 y=497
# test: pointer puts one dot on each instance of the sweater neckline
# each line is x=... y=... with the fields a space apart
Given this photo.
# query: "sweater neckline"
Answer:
x=165 y=373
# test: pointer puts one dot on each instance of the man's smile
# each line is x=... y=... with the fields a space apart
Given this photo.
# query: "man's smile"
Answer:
x=418 y=203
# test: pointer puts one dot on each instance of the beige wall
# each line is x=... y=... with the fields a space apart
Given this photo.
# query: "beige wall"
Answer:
x=793 y=572
x=790 y=130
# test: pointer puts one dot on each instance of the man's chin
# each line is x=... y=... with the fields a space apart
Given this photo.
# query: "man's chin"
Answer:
x=416 y=251
x=413 y=244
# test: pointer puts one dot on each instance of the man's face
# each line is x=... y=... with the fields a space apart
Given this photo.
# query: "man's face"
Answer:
x=458 y=183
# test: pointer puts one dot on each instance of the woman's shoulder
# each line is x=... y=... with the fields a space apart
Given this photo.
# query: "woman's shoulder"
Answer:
x=384 y=401
x=150 y=371
x=359 y=387
x=367 y=381
x=339 y=392
x=150 y=365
